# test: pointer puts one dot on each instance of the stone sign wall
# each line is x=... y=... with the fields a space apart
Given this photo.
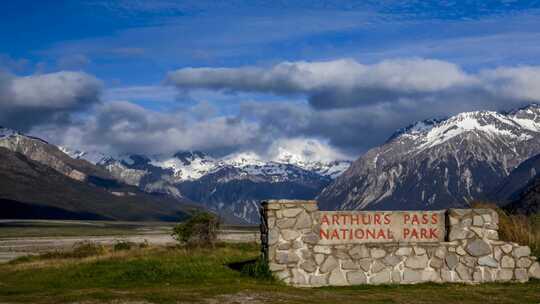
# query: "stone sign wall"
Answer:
x=307 y=247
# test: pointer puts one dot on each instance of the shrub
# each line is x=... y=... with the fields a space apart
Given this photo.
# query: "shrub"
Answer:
x=144 y=244
x=85 y=249
x=257 y=269
x=200 y=230
x=123 y=245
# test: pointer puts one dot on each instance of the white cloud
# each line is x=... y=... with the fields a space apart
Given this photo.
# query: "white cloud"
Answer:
x=31 y=100
x=514 y=82
x=54 y=90
x=124 y=127
x=309 y=77
x=348 y=83
x=304 y=149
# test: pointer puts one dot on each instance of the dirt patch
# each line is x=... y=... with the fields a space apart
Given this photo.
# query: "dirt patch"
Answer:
x=241 y=298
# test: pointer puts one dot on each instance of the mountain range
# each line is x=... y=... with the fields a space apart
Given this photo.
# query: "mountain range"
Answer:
x=431 y=164
x=231 y=186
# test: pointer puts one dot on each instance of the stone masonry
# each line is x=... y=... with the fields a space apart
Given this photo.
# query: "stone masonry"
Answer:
x=471 y=252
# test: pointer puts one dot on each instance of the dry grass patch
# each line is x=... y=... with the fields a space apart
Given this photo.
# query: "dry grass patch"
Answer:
x=517 y=228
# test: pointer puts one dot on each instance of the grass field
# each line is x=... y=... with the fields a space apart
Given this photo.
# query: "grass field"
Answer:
x=175 y=275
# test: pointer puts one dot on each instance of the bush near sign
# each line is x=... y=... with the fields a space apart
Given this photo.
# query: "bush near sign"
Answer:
x=343 y=227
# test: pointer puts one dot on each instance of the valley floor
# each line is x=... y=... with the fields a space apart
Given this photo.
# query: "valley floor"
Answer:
x=30 y=237
x=157 y=274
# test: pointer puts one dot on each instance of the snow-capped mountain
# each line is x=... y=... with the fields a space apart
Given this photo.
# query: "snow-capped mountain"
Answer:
x=186 y=165
x=192 y=165
x=208 y=180
x=438 y=163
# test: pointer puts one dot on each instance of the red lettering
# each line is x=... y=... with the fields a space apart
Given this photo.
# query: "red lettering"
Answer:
x=324 y=220
x=425 y=219
x=377 y=219
x=434 y=218
x=364 y=219
x=343 y=234
x=406 y=218
x=423 y=233
x=370 y=232
x=323 y=234
x=335 y=219
x=335 y=234
x=387 y=219
x=355 y=219
x=433 y=233
x=406 y=232
x=381 y=234
x=414 y=233
x=359 y=234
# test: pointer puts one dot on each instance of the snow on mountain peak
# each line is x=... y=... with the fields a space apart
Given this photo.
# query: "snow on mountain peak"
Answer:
x=514 y=125
x=415 y=128
x=5 y=132
x=94 y=157
x=186 y=165
x=242 y=159
x=309 y=155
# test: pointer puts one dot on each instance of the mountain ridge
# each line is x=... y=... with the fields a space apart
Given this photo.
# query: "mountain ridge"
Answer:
x=447 y=163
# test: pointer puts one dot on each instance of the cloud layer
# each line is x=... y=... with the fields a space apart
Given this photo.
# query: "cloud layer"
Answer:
x=340 y=108
x=32 y=100
x=348 y=83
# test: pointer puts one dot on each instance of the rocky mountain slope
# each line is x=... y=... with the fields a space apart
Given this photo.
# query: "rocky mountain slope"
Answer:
x=528 y=200
x=439 y=163
x=32 y=189
x=39 y=150
x=517 y=182
x=237 y=191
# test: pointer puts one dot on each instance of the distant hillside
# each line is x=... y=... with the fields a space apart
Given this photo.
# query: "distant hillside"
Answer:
x=39 y=191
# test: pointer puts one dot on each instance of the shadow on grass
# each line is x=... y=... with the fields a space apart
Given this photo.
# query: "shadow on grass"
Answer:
x=255 y=268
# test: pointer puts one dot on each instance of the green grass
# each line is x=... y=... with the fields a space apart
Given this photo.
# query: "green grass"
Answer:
x=173 y=275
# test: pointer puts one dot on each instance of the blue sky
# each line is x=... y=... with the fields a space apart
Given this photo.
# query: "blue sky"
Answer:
x=127 y=54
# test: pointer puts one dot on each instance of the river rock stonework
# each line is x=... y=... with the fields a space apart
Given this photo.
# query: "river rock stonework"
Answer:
x=303 y=249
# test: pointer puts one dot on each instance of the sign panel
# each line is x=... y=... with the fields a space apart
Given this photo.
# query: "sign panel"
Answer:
x=344 y=227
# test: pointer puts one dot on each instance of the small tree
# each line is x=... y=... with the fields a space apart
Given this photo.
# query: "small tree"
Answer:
x=200 y=230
